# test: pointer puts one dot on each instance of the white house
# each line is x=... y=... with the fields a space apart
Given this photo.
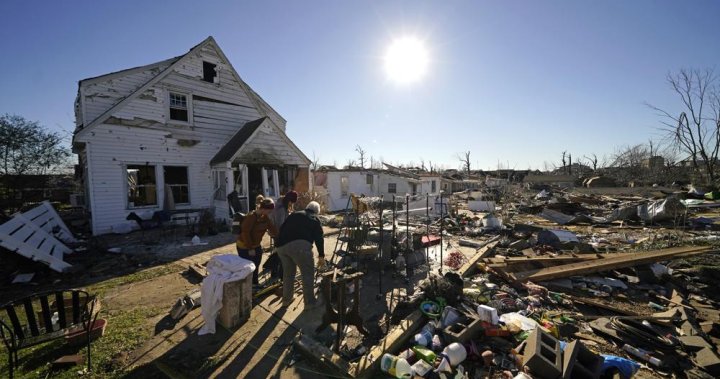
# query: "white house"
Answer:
x=179 y=134
x=337 y=185
x=431 y=183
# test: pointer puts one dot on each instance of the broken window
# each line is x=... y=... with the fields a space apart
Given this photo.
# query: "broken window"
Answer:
x=176 y=177
x=179 y=107
x=141 y=186
x=433 y=186
x=344 y=186
x=392 y=187
x=209 y=72
x=369 y=179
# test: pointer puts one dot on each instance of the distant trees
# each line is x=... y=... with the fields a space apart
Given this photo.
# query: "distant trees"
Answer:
x=464 y=158
x=26 y=147
x=695 y=131
x=361 y=152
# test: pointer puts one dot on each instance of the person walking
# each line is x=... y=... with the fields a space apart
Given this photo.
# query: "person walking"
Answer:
x=294 y=245
x=253 y=228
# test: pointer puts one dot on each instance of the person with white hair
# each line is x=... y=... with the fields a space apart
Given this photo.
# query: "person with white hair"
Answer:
x=294 y=247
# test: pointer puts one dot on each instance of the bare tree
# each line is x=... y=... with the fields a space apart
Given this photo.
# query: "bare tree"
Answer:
x=696 y=130
x=350 y=163
x=593 y=161
x=564 y=154
x=464 y=158
x=362 y=153
x=314 y=162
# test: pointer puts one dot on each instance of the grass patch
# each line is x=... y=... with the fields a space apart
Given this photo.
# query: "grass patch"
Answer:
x=99 y=289
x=125 y=332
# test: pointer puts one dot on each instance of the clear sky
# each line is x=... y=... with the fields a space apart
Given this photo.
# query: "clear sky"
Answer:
x=514 y=82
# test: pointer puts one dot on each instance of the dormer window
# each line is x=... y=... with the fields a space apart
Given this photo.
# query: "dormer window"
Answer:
x=210 y=72
x=179 y=107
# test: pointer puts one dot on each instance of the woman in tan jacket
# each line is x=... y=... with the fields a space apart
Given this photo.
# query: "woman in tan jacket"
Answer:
x=253 y=228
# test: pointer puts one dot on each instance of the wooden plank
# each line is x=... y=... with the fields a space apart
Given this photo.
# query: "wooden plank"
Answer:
x=582 y=268
x=469 y=267
x=322 y=355
x=395 y=339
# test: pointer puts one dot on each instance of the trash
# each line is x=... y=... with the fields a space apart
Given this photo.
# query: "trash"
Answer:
x=488 y=314
x=424 y=354
x=421 y=368
x=395 y=366
x=518 y=320
x=455 y=353
x=449 y=316
x=642 y=354
x=626 y=367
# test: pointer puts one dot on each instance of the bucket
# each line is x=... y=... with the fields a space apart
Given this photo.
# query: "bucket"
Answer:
x=455 y=353
x=395 y=366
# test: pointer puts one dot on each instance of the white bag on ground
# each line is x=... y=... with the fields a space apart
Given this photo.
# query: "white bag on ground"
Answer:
x=221 y=269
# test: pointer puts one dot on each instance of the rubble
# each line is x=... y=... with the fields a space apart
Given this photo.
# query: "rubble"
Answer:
x=562 y=284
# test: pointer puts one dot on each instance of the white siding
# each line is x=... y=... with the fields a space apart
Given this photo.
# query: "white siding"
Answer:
x=269 y=143
x=357 y=184
x=99 y=96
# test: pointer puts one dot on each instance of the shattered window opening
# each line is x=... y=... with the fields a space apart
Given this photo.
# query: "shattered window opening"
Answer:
x=392 y=187
x=178 y=107
x=209 y=72
x=176 y=177
x=344 y=186
x=142 y=190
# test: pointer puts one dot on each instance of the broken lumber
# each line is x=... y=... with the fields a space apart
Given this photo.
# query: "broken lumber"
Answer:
x=582 y=268
x=322 y=355
x=470 y=266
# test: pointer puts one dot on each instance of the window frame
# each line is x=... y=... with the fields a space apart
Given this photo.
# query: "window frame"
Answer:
x=187 y=185
x=392 y=189
x=369 y=179
x=126 y=168
x=188 y=100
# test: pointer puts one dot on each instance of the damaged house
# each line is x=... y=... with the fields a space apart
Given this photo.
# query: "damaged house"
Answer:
x=336 y=185
x=180 y=134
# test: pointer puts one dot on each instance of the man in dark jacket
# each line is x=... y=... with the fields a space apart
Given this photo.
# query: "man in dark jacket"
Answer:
x=294 y=247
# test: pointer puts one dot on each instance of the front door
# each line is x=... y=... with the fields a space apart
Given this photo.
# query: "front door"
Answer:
x=242 y=187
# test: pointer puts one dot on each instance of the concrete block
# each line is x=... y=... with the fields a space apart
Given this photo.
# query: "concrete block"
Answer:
x=542 y=355
x=462 y=332
x=236 y=303
x=580 y=363
x=709 y=361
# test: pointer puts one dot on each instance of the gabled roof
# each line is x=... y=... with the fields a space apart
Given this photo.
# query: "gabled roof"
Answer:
x=231 y=147
x=262 y=107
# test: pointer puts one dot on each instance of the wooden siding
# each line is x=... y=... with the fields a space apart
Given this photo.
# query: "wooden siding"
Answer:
x=116 y=146
x=268 y=146
x=100 y=96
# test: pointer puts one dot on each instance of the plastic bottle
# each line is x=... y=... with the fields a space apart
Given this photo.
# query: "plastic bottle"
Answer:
x=424 y=338
x=424 y=353
x=642 y=354
x=396 y=367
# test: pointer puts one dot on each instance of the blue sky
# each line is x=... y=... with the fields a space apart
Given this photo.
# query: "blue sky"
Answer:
x=514 y=82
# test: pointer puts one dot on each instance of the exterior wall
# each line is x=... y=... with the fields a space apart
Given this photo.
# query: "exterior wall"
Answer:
x=426 y=186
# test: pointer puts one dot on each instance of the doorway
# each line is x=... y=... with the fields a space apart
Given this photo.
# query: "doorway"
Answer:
x=255 y=184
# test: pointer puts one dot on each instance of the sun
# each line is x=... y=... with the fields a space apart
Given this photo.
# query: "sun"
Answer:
x=406 y=60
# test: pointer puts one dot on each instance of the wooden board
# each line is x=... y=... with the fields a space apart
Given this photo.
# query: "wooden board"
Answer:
x=582 y=268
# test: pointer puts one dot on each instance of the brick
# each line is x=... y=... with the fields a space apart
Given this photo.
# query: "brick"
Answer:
x=580 y=363
x=462 y=332
x=542 y=355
